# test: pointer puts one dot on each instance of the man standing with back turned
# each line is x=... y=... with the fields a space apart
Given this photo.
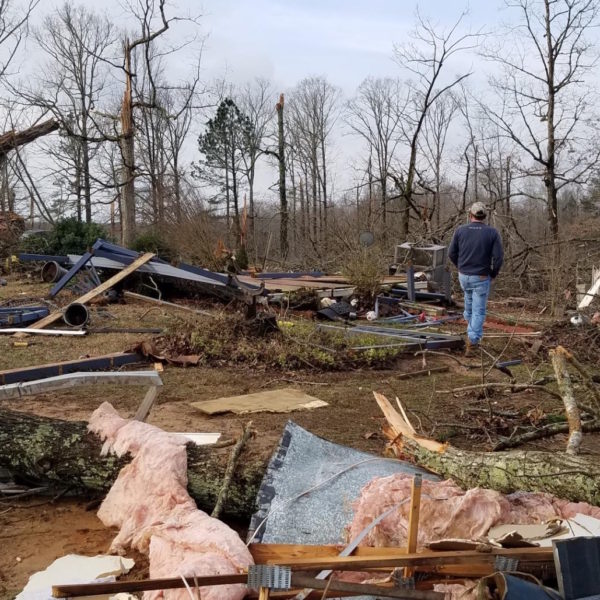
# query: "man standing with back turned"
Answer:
x=476 y=250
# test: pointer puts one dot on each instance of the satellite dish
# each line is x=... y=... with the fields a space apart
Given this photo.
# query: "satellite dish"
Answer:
x=366 y=238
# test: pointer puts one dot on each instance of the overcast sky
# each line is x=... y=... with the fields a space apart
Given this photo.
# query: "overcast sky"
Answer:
x=285 y=40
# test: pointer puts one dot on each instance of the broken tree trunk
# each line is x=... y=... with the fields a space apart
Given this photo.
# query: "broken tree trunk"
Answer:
x=64 y=454
x=563 y=380
x=13 y=139
x=572 y=477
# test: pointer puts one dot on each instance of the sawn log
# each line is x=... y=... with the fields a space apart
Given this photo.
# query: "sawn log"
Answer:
x=63 y=454
x=572 y=477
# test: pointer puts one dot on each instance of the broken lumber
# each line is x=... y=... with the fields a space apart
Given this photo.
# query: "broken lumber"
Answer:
x=363 y=589
x=273 y=554
x=298 y=580
x=63 y=454
x=145 y=585
x=103 y=287
x=572 y=477
x=426 y=560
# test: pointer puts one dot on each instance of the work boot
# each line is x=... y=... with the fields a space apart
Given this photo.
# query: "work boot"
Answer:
x=471 y=349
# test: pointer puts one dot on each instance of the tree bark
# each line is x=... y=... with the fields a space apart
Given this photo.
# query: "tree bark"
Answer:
x=127 y=144
x=550 y=174
x=283 y=206
x=572 y=477
x=63 y=454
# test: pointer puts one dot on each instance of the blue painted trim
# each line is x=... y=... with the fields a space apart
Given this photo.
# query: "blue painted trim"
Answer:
x=70 y=274
x=21 y=316
x=26 y=257
x=99 y=363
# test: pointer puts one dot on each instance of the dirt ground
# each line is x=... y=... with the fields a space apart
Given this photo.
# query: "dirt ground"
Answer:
x=36 y=531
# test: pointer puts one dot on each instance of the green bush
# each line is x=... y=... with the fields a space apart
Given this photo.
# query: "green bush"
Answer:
x=152 y=241
x=36 y=244
x=69 y=236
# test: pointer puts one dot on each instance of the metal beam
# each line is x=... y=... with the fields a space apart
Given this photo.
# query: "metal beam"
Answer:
x=27 y=257
x=74 y=269
x=22 y=315
x=61 y=382
x=96 y=363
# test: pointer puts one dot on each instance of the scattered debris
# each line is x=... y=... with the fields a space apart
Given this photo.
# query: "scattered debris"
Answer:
x=73 y=569
x=35 y=331
x=201 y=439
x=103 y=287
x=21 y=315
x=282 y=401
x=593 y=292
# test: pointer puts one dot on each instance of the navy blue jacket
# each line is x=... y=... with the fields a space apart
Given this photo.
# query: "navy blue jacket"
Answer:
x=476 y=249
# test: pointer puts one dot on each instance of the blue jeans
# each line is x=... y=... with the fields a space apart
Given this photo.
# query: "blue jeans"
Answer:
x=476 y=292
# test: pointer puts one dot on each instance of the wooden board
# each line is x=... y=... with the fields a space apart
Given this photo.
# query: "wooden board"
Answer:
x=427 y=558
x=273 y=553
x=282 y=553
x=284 y=400
x=103 y=287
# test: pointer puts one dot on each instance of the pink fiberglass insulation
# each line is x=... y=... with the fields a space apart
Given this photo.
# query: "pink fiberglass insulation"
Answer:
x=450 y=512
x=150 y=504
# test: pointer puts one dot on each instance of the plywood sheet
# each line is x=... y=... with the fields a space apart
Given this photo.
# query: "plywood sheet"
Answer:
x=283 y=400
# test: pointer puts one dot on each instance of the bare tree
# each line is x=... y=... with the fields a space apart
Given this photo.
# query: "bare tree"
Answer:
x=255 y=100
x=14 y=18
x=313 y=111
x=425 y=58
x=433 y=146
x=374 y=114
x=544 y=102
x=70 y=86
x=153 y=22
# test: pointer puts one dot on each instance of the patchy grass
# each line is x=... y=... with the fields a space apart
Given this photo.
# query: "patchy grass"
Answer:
x=227 y=339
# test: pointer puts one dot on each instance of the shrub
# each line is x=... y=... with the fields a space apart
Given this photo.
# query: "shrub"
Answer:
x=69 y=236
x=153 y=241
x=364 y=269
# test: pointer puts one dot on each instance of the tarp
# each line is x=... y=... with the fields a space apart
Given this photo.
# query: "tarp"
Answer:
x=307 y=492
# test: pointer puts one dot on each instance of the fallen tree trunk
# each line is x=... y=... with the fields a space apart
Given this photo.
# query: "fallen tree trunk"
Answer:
x=13 y=139
x=64 y=454
x=572 y=477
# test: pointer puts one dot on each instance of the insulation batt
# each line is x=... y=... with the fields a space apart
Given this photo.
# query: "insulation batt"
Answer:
x=447 y=511
x=150 y=504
